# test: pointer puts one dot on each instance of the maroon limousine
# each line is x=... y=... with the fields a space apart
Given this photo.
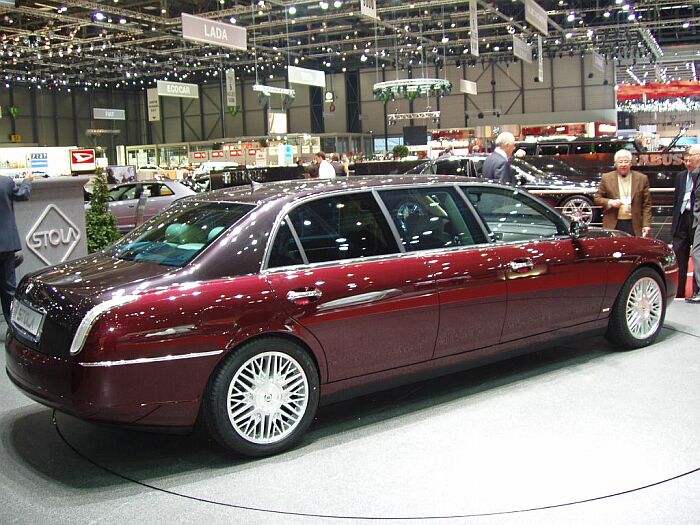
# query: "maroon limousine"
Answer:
x=247 y=307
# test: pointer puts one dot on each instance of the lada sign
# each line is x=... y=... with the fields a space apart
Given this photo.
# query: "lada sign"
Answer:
x=53 y=236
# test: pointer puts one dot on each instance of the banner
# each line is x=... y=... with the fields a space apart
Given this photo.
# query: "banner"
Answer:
x=368 y=8
x=598 y=61
x=153 y=104
x=468 y=87
x=309 y=77
x=231 y=88
x=537 y=16
x=177 y=89
x=522 y=50
x=540 y=59
x=474 y=28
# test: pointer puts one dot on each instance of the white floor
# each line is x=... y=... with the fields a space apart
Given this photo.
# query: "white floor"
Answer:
x=575 y=434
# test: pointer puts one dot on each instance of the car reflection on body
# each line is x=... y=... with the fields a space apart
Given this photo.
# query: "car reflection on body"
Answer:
x=549 y=178
x=158 y=195
x=248 y=306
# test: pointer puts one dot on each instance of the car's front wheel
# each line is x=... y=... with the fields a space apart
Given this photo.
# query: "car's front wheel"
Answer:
x=262 y=399
x=638 y=314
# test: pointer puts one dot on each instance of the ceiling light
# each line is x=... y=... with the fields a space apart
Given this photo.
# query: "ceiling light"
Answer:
x=232 y=19
x=571 y=17
x=569 y=35
x=323 y=5
x=606 y=14
x=626 y=7
x=686 y=25
x=122 y=20
x=631 y=17
x=337 y=4
x=292 y=10
x=99 y=16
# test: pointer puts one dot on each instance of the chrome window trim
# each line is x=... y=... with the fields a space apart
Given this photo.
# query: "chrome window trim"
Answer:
x=147 y=360
x=390 y=221
x=295 y=235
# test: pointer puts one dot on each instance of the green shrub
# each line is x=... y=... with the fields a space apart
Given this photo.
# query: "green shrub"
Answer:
x=400 y=151
x=100 y=224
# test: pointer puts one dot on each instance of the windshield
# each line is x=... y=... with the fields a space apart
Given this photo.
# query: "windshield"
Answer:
x=177 y=235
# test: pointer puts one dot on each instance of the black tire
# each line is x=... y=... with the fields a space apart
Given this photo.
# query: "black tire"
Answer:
x=263 y=419
x=642 y=298
x=579 y=207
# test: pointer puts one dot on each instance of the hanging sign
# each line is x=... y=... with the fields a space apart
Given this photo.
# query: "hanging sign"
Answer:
x=231 y=87
x=199 y=155
x=177 y=89
x=468 y=87
x=310 y=77
x=153 y=104
x=537 y=16
x=108 y=114
x=369 y=8
x=208 y=31
x=473 y=28
x=522 y=50
x=540 y=59
x=598 y=61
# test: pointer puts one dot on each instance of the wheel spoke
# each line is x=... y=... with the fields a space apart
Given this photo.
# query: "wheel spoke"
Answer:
x=644 y=308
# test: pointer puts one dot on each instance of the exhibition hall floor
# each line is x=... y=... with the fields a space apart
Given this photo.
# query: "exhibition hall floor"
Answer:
x=574 y=434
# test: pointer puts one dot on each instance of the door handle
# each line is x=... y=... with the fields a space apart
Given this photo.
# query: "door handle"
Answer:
x=303 y=297
x=521 y=265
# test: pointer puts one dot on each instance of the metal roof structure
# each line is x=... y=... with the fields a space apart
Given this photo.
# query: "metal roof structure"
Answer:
x=133 y=43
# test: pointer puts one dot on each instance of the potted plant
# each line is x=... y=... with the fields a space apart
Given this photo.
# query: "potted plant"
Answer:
x=400 y=151
x=100 y=224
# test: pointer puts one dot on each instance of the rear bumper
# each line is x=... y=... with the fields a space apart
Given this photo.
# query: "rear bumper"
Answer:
x=150 y=394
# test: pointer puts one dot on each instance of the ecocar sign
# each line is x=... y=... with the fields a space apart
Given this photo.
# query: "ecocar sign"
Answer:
x=53 y=236
x=177 y=89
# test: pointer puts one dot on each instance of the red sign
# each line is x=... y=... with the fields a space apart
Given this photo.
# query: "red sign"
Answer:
x=217 y=154
x=82 y=159
x=199 y=155
x=675 y=89
x=235 y=152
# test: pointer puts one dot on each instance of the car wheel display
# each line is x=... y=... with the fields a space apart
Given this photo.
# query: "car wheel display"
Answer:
x=578 y=208
x=639 y=310
x=262 y=399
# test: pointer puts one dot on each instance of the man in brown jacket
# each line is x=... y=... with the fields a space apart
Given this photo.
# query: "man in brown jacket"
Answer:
x=625 y=198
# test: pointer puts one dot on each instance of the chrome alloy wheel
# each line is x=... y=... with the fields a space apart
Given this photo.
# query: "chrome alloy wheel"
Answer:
x=267 y=397
x=644 y=308
x=578 y=209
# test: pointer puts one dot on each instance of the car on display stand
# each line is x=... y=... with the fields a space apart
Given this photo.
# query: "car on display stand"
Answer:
x=132 y=203
x=549 y=178
x=245 y=308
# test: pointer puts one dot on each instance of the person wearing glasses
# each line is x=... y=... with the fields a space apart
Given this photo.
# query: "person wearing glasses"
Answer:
x=682 y=229
x=625 y=198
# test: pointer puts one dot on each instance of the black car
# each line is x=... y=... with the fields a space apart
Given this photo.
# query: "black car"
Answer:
x=552 y=180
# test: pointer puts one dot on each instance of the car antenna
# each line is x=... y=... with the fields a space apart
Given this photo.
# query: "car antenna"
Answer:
x=255 y=185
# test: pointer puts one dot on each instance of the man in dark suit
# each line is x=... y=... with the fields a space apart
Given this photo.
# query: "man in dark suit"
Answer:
x=625 y=198
x=9 y=237
x=682 y=226
x=497 y=165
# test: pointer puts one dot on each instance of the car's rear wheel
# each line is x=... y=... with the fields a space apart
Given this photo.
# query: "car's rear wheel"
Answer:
x=639 y=310
x=578 y=208
x=262 y=399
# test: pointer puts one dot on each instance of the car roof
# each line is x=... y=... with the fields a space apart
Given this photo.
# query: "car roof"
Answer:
x=296 y=189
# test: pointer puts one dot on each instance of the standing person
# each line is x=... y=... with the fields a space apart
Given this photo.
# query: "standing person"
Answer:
x=682 y=230
x=337 y=165
x=325 y=169
x=625 y=198
x=346 y=164
x=9 y=237
x=497 y=165
x=695 y=252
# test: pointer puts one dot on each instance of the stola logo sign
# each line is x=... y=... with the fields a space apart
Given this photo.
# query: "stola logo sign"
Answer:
x=53 y=237
x=82 y=159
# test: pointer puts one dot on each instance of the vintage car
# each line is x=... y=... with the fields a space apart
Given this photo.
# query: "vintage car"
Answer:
x=132 y=203
x=246 y=307
x=553 y=181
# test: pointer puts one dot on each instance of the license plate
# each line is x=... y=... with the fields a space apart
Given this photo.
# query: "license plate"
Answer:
x=26 y=318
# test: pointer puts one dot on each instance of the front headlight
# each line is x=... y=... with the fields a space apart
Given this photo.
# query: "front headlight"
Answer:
x=668 y=261
x=93 y=314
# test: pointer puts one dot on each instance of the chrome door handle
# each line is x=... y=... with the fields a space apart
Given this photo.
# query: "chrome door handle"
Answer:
x=521 y=265
x=312 y=294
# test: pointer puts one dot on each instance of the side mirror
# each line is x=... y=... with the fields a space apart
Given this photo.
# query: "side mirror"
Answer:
x=577 y=228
